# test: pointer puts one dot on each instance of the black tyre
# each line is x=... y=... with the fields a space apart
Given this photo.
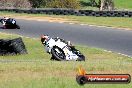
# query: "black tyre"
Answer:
x=17 y=26
x=81 y=79
x=79 y=54
x=81 y=58
x=18 y=46
x=58 y=54
x=12 y=47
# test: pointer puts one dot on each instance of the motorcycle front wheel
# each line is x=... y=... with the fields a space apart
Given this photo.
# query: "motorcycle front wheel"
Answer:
x=17 y=26
x=81 y=57
x=58 y=54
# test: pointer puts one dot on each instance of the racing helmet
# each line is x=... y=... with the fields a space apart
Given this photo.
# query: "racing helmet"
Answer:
x=44 y=38
x=5 y=18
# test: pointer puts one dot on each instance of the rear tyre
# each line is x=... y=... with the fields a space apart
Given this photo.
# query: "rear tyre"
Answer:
x=58 y=54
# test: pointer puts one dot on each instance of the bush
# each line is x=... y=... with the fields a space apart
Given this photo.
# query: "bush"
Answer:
x=74 y=4
x=15 y=4
x=38 y=3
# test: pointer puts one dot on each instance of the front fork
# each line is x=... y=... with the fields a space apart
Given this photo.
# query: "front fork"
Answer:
x=4 y=27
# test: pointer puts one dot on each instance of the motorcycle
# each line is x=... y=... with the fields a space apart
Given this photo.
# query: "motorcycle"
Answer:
x=61 y=51
x=9 y=24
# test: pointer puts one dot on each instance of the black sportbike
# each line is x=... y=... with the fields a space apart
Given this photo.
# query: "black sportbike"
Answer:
x=9 y=24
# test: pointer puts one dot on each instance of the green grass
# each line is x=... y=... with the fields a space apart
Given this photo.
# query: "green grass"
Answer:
x=43 y=73
x=119 y=22
x=119 y=4
x=123 y=4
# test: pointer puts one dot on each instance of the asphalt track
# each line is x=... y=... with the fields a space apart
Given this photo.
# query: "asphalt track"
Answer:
x=115 y=40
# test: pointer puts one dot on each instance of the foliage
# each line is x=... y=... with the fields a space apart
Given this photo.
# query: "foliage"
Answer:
x=74 y=4
x=55 y=3
x=38 y=3
x=15 y=4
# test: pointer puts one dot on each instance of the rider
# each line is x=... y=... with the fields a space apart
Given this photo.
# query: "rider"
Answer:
x=5 y=20
x=46 y=37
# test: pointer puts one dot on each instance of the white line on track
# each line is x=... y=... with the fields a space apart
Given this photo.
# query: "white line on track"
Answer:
x=61 y=22
x=71 y=23
x=118 y=53
x=127 y=29
x=83 y=24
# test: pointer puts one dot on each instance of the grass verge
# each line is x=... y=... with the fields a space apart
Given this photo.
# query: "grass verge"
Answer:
x=43 y=73
x=119 y=22
x=119 y=4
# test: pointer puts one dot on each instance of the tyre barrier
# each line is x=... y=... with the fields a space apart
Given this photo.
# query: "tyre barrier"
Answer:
x=12 y=47
x=73 y=12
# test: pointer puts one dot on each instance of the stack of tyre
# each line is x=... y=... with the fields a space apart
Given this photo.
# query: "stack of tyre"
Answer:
x=12 y=47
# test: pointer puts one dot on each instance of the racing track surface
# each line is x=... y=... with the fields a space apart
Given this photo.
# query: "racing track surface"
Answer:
x=106 y=38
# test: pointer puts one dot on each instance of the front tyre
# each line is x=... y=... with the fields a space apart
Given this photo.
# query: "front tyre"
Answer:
x=17 y=26
x=81 y=58
x=58 y=54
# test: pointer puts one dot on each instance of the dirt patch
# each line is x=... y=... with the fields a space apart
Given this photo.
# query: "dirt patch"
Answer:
x=44 y=18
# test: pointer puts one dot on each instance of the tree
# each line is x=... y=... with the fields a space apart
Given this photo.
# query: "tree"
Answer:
x=38 y=3
x=73 y=4
x=106 y=5
x=93 y=3
x=15 y=4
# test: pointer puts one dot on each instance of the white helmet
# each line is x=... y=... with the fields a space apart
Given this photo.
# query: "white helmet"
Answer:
x=6 y=18
x=44 y=37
